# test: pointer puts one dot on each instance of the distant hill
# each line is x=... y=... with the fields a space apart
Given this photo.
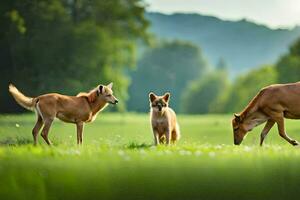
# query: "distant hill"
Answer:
x=242 y=44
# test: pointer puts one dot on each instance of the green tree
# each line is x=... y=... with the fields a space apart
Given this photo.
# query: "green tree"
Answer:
x=168 y=67
x=68 y=45
x=288 y=66
x=222 y=65
x=204 y=95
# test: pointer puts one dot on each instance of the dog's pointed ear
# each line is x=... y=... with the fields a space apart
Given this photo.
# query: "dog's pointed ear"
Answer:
x=167 y=97
x=110 y=85
x=237 y=117
x=152 y=96
x=100 y=90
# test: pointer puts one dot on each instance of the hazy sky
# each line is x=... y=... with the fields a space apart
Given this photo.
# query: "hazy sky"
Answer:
x=274 y=13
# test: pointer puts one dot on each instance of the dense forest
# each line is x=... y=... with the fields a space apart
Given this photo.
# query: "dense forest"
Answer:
x=68 y=46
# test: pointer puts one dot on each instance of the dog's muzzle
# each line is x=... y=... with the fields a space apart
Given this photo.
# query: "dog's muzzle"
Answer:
x=237 y=142
x=159 y=108
x=115 y=102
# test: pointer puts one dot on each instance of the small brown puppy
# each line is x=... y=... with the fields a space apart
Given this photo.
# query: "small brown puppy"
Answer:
x=163 y=119
x=79 y=109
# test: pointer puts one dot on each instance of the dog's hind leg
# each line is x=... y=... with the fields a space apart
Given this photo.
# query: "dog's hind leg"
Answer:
x=37 y=128
x=175 y=134
x=168 y=137
x=174 y=137
x=45 y=131
x=281 y=131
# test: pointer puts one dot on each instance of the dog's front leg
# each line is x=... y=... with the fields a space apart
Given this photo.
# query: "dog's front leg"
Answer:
x=156 y=136
x=79 y=126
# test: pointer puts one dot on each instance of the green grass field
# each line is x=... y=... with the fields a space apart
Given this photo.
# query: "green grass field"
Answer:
x=118 y=161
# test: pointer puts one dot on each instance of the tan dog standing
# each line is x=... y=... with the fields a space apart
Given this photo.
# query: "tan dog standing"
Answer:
x=78 y=109
x=163 y=120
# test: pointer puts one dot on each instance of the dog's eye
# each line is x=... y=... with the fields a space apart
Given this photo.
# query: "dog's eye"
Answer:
x=109 y=95
x=236 y=129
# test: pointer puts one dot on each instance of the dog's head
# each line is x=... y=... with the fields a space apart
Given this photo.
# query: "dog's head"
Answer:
x=104 y=92
x=239 y=130
x=159 y=103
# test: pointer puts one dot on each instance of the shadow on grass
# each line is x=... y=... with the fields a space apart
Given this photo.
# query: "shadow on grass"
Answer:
x=17 y=141
x=135 y=145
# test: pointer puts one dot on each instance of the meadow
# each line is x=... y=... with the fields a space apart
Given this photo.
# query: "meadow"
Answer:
x=118 y=161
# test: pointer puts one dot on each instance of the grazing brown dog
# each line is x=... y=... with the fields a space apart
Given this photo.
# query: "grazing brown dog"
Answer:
x=163 y=120
x=272 y=104
x=78 y=109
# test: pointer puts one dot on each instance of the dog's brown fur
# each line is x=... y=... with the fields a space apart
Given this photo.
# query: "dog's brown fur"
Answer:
x=272 y=104
x=79 y=109
x=163 y=120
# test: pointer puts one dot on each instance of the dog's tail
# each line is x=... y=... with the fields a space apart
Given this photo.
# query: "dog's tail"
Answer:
x=21 y=99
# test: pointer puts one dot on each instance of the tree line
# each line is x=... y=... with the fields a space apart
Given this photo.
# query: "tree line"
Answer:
x=69 y=46
x=220 y=95
x=196 y=86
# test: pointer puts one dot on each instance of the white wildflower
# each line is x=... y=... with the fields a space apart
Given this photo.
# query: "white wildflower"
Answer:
x=212 y=154
x=198 y=153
